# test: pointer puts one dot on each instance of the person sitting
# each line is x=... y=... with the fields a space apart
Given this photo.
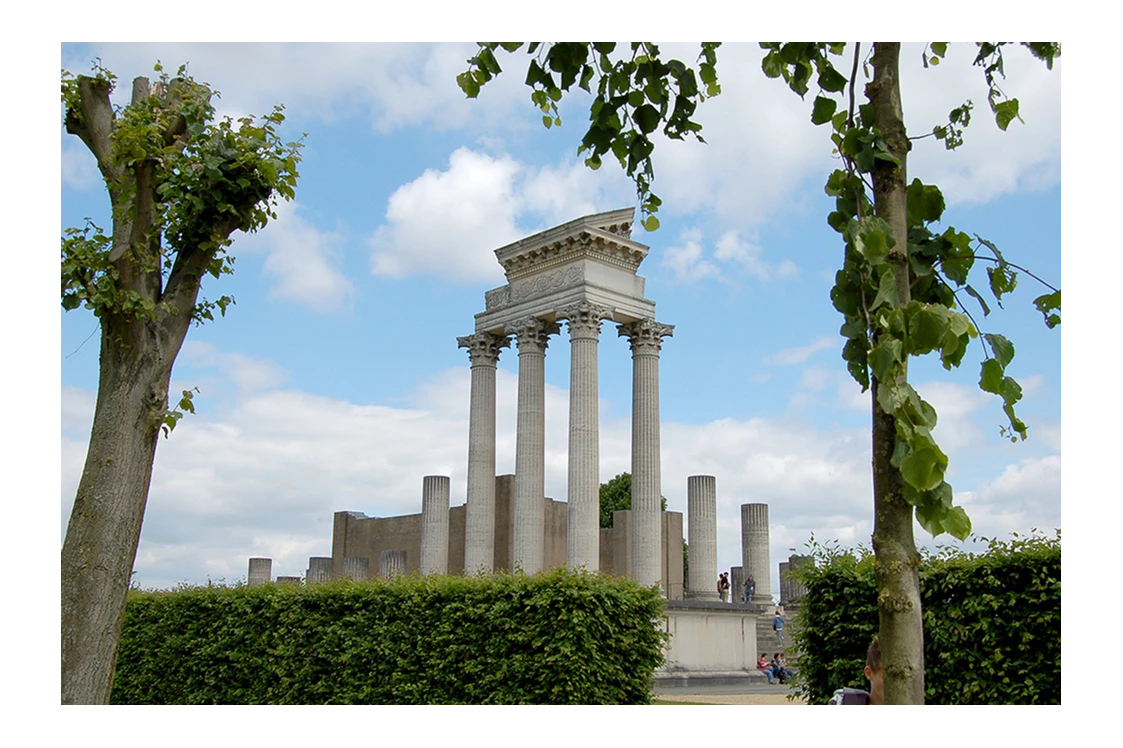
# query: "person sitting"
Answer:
x=779 y=667
x=764 y=666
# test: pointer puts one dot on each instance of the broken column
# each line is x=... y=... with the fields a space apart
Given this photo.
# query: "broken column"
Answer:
x=701 y=517
x=754 y=549
x=261 y=571
x=319 y=570
x=434 y=524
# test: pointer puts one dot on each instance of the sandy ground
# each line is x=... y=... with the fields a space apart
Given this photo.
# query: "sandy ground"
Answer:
x=732 y=698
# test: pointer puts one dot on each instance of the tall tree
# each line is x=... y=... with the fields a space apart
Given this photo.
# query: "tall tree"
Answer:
x=180 y=183
x=617 y=494
x=898 y=286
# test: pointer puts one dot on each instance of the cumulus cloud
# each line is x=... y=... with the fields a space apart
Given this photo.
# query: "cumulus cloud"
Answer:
x=79 y=167
x=394 y=85
x=688 y=260
x=248 y=373
x=265 y=476
x=448 y=222
x=304 y=262
x=685 y=261
x=798 y=355
x=1023 y=496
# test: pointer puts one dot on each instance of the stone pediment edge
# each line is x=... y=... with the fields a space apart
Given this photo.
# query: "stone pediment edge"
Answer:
x=595 y=225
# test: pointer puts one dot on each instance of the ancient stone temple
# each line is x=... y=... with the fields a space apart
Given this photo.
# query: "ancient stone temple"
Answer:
x=581 y=273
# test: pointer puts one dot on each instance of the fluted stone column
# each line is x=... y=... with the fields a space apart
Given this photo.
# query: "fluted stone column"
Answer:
x=356 y=568
x=319 y=570
x=391 y=563
x=434 y=524
x=646 y=338
x=532 y=335
x=736 y=584
x=261 y=572
x=583 y=522
x=479 y=532
x=701 y=516
x=754 y=549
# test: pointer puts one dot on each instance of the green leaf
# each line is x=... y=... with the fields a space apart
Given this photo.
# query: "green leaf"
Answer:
x=924 y=468
x=927 y=328
x=773 y=65
x=646 y=118
x=650 y=224
x=957 y=523
x=883 y=356
x=978 y=298
x=990 y=378
x=925 y=203
x=1047 y=304
x=1003 y=349
x=1006 y=112
x=886 y=290
x=832 y=80
x=823 y=110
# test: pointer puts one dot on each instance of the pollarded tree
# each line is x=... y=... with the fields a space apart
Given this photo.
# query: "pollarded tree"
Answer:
x=899 y=286
x=180 y=183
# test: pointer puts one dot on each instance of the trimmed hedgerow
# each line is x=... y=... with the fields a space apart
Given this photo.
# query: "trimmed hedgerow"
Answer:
x=559 y=637
x=992 y=623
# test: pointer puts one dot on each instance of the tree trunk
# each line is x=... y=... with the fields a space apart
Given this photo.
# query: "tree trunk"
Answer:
x=104 y=529
x=896 y=559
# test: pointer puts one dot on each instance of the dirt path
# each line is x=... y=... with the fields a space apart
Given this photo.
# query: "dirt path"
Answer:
x=733 y=698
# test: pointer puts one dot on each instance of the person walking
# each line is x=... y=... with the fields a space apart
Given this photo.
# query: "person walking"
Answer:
x=778 y=627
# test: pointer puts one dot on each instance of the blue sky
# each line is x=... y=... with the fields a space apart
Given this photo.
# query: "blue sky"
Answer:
x=336 y=383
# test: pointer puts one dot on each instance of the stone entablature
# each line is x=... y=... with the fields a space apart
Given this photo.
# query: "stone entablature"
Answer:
x=582 y=272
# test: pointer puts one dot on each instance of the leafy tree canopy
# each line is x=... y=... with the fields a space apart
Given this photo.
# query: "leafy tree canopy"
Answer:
x=617 y=494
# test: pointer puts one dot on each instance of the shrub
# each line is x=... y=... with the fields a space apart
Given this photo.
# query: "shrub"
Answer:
x=559 y=637
x=992 y=622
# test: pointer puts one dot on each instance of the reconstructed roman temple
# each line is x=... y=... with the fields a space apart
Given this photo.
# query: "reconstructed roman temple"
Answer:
x=582 y=272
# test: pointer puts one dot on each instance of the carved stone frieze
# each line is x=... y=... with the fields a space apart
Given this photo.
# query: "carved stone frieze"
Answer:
x=645 y=335
x=497 y=298
x=606 y=251
x=483 y=347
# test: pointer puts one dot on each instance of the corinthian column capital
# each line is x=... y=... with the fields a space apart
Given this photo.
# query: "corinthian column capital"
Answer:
x=646 y=335
x=483 y=347
x=584 y=319
x=532 y=334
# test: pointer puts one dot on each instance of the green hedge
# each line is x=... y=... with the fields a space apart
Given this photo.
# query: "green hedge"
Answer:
x=558 y=637
x=992 y=623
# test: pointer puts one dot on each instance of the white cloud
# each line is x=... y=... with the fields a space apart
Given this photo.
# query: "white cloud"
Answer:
x=685 y=261
x=248 y=373
x=990 y=162
x=449 y=222
x=395 y=85
x=798 y=355
x=79 y=167
x=688 y=260
x=304 y=262
x=1024 y=496
x=732 y=248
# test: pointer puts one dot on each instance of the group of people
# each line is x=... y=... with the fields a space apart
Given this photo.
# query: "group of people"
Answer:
x=776 y=668
x=749 y=588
